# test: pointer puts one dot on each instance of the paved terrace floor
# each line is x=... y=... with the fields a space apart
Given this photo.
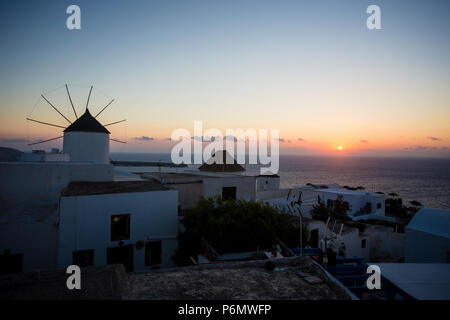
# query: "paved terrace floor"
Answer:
x=293 y=278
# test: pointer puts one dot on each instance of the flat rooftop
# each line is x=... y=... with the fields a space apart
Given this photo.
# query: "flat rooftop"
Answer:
x=350 y=192
x=423 y=281
x=433 y=221
x=293 y=278
x=80 y=188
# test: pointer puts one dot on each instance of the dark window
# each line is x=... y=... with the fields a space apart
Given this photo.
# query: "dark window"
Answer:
x=368 y=208
x=11 y=263
x=121 y=255
x=229 y=193
x=83 y=258
x=363 y=243
x=120 y=227
x=346 y=206
x=378 y=205
x=330 y=203
x=153 y=252
x=315 y=238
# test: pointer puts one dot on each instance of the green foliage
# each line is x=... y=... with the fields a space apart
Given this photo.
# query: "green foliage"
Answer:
x=234 y=226
x=395 y=208
x=320 y=212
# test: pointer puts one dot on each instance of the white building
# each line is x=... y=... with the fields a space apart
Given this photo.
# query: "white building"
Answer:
x=356 y=243
x=360 y=204
x=38 y=223
x=86 y=140
x=427 y=237
x=227 y=180
x=128 y=222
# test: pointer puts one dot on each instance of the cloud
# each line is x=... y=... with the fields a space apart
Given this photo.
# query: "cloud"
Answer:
x=281 y=139
x=144 y=138
x=301 y=139
x=364 y=141
x=434 y=139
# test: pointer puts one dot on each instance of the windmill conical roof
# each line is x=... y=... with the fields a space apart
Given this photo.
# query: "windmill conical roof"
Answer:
x=229 y=164
x=86 y=123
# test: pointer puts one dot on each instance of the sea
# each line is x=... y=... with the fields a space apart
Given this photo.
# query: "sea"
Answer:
x=426 y=180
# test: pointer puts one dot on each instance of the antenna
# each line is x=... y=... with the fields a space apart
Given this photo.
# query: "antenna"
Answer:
x=67 y=89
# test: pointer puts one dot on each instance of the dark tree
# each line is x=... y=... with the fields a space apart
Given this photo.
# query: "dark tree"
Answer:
x=235 y=226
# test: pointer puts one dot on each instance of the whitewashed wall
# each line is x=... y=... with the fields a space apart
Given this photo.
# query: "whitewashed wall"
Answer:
x=30 y=181
x=385 y=244
x=245 y=187
x=358 y=201
x=422 y=247
x=87 y=146
x=29 y=197
x=85 y=224
x=351 y=239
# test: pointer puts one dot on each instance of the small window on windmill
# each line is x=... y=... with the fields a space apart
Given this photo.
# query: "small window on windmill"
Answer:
x=363 y=243
x=120 y=227
x=379 y=205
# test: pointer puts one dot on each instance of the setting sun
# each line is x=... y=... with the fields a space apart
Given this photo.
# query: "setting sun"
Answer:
x=340 y=148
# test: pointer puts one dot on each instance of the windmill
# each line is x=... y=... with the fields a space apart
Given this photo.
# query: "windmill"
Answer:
x=300 y=202
x=84 y=137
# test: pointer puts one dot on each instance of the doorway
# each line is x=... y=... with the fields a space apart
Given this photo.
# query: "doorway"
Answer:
x=315 y=238
x=121 y=255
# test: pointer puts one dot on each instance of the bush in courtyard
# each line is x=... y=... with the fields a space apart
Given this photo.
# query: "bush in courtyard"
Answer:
x=234 y=226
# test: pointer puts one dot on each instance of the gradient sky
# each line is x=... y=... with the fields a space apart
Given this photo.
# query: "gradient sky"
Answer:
x=309 y=68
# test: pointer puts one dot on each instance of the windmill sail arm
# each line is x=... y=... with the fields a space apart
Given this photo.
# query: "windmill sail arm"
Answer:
x=31 y=144
x=110 y=124
x=89 y=97
x=70 y=98
x=46 y=123
x=117 y=140
x=55 y=109
x=104 y=108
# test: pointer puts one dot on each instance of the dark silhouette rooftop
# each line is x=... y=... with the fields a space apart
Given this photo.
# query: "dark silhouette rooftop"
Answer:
x=86 y=123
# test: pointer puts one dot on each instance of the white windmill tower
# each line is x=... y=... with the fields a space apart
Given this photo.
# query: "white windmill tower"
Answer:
x=85 y=139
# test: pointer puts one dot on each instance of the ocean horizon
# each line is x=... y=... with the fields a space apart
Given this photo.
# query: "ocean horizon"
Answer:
x=426 y=180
